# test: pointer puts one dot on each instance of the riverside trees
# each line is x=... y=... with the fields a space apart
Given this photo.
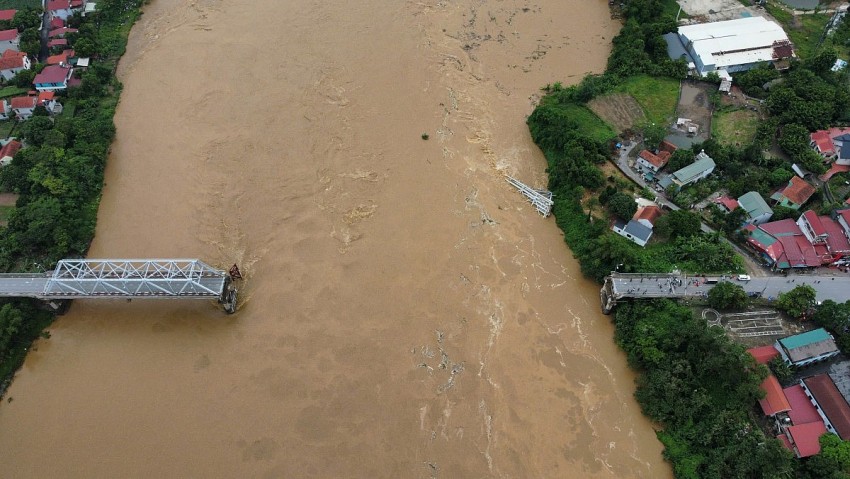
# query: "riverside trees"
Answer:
x=59 y=175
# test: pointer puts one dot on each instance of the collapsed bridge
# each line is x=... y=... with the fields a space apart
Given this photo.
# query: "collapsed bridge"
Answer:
x=125 y=278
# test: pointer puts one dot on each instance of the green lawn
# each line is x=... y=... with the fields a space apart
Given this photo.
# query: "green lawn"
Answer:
x=590 y=124
x=12 y=91
x=6 y=128
x=657 y=96
x=734 y=127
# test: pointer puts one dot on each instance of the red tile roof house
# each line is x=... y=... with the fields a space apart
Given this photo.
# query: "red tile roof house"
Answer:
x=7 y=15
x=647 y=215
x=821 y=142
x=651 y=161
x=57 y=23
x=763 y=354
x=726 y=203
x=61 y=59
x=57 y=43
x=59 y=9
x=23 y=106
x=774 y=401
x=7 y=153
x=13 y=61
x=802 y=427
x=9 y=39
x=829 y=403
x=60 y=32
x=52 y=78
x=795 y=194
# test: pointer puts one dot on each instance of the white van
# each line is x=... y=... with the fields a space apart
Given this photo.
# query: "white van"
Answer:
x=744 y=277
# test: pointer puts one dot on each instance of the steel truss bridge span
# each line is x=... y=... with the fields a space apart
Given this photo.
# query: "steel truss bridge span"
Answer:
x=125 y=278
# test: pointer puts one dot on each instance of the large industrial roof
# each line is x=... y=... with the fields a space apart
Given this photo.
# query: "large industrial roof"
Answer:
x=734 y=42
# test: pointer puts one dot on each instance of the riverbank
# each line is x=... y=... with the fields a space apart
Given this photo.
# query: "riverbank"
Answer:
x=406 y=313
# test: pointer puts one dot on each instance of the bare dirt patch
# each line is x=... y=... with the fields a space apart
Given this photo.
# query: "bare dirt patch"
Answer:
x=619 y=110
x=8 y=199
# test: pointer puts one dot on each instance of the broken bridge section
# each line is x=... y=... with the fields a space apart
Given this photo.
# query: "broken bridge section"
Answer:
x=126 y=278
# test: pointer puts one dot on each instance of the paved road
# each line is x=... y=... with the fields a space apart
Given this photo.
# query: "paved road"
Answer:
x=41 y=286
x=836 y=288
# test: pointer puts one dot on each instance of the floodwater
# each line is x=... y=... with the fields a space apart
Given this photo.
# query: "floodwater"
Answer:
x=405 y=313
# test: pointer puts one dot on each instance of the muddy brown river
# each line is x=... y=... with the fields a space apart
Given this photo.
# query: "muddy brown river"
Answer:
x=405 y=313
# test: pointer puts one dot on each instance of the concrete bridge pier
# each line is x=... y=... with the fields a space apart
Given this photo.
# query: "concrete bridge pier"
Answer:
x=607 y=297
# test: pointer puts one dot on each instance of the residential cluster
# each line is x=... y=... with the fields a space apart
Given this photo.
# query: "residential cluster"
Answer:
x=57 y=74
x=815 y=404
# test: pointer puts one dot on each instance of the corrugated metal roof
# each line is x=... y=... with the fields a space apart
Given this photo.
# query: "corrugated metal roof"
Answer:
x=698 y=167
x=804 y=339
x=734 y=42
x=754 y=204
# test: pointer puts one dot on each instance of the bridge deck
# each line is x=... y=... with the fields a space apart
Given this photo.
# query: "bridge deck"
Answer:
x=622 y=285
x=119 y=279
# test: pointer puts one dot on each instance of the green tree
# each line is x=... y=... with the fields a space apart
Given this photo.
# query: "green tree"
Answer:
x=797 y=301
x=678 y=223
x=727 y=295
x=622 y=205
x=35 y=129
x=10 y=325
x=780 y=369
x=653 y=134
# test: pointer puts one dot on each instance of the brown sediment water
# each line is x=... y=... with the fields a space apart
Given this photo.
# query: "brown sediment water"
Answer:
x=405 y=313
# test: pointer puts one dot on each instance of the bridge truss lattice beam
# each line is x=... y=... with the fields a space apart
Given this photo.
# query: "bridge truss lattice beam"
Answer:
x=135 y=278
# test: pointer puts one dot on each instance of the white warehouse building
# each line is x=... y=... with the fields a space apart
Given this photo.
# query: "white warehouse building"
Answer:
x=735 y=45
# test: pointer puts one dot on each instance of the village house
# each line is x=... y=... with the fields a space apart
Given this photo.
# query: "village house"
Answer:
x=758 y=212
x=650 y=161
x=7 y=15
x=53 y=78
x=809 y=242
x=63 y=58
x=639 y=229
x=795 y=194
x=61 y=32
x=23 y=106
x=59 y=9
x=5 y=109
x=8 y=151
x=699 y=169
x=827 y=400
x=832 y=144
x=797 y=423
x=807 y=348
x=752 y=203
x=9 y=39
x=57 y=43
x=803 y=426
x=56 y=23
x=12 y=62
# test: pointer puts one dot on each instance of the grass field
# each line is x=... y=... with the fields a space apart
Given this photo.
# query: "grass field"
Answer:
x=804 y=30
x=590 y=124
x=734 y=127
x=12 y=91
x=17 y=4
x=657 y=96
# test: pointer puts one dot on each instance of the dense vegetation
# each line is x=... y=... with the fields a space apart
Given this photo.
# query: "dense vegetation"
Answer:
x=574 y=155
x=59 y=174
x=700 y=387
